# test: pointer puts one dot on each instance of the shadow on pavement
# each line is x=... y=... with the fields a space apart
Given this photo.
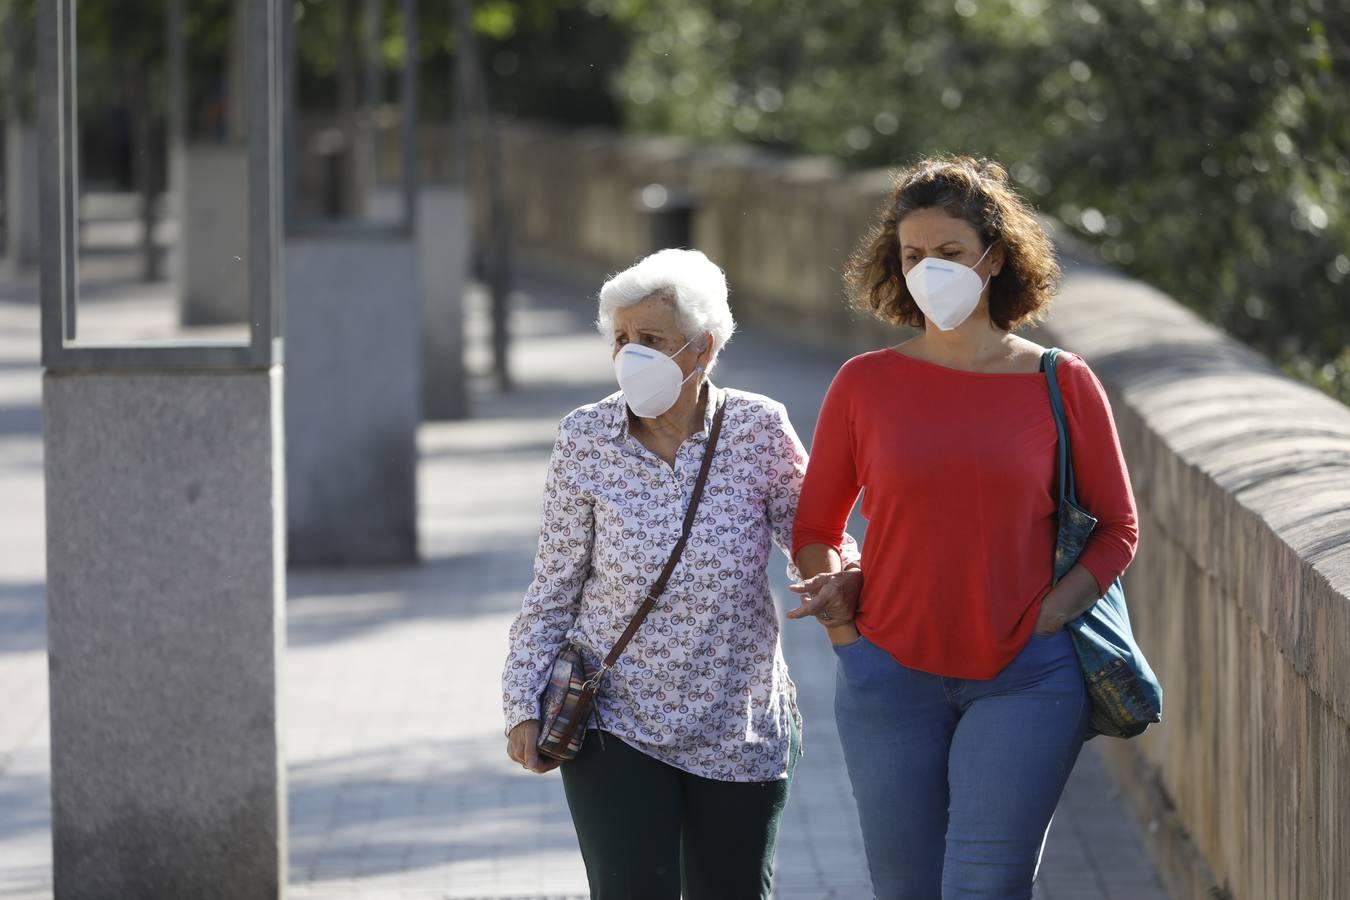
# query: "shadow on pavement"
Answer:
x=454 y=808
x=20 y=419
x=23 y=620
x=337 y=605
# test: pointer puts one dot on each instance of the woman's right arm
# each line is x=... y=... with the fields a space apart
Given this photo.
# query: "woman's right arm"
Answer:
x=561 y=566
x=829 y=491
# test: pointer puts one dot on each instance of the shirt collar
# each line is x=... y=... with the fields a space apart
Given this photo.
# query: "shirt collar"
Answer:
x=618 y=413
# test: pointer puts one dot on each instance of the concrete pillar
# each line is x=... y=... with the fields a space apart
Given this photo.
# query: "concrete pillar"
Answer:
x=352 y=397
x=213 y=276
x=353 y=392
x=21 y=196
x=165 y=599
x=165 y=512
x=444 y=228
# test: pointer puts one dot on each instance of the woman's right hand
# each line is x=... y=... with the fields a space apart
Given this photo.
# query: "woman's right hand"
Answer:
x=522 y=747
x=831 y=598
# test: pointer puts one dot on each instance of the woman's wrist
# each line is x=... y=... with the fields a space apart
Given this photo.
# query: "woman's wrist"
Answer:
x=1075 y=594
x=843 y=634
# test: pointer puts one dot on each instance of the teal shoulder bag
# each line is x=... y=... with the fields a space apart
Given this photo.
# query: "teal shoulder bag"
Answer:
x=1126 y=695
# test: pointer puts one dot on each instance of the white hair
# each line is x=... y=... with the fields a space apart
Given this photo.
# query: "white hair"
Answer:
x=695 y=284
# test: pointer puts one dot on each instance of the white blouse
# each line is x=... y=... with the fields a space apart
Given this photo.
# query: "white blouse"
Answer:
x=703 y=685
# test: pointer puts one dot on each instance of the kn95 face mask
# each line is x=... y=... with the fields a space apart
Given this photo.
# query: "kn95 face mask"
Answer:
x=649 y=379
x=946 y=292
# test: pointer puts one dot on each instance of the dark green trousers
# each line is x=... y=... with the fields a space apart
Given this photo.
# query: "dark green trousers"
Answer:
x=649 y=831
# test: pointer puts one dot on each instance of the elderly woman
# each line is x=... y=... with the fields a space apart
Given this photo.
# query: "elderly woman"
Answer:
x=681 y=791
x=959 y=698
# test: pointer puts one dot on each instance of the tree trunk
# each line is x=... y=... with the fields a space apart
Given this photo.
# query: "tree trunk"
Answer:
x=349 y=100
x=473 y=93
x=143 y=152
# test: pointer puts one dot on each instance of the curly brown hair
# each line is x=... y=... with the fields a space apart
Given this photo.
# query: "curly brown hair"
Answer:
x=976 y=190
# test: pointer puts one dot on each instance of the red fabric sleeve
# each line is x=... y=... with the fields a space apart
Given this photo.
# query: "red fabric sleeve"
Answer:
x=1102 y=481
x=831 y=487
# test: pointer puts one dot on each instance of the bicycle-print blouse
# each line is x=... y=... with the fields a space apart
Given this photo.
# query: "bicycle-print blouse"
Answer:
x=703 y=685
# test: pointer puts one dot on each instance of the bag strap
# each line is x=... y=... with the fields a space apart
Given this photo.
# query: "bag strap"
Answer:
x=659 y=586
x=1066 y=480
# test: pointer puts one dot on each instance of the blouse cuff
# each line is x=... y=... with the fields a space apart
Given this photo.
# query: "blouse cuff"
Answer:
x=520 y=711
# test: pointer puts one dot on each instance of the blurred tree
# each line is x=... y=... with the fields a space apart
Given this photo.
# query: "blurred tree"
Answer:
x=1202 y=145
x=19 y=53
x=121 y=54
x=551 y=59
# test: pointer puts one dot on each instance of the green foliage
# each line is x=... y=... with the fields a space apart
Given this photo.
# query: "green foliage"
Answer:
x=551 y=59
x=558 y=61
x=120 y=49
x=1202 y=146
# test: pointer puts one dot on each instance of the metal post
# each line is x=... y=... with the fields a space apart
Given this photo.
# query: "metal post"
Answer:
x=177 y=115
x=264 y=173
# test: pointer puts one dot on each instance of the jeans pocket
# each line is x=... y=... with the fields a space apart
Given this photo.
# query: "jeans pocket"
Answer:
x=1047 y=649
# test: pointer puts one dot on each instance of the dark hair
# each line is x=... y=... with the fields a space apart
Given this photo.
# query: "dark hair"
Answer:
x=977 y=191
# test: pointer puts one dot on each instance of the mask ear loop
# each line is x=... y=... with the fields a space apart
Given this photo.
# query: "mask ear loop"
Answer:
x=985 y=283
x=681 y=350
x=698 y=369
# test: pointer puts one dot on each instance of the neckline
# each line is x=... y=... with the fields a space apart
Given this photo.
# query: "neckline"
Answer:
x=932 y=365
x=712 y=394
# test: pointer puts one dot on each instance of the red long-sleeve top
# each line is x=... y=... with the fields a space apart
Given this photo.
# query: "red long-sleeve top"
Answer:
x=957 y=471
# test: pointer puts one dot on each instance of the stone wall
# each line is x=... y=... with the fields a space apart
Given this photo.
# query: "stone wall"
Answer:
x=1239 y=596
x=1241 y=590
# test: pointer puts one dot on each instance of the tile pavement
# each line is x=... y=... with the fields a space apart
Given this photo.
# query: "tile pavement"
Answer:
x=398 y=784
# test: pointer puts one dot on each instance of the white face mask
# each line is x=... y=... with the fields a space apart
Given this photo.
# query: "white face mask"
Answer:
x=650 y=380
x=947 y=292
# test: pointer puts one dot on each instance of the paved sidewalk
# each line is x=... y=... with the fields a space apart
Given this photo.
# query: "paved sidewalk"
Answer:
x=399 y=784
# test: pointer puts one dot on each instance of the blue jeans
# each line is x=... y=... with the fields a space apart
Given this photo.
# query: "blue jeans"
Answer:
x=956 y=779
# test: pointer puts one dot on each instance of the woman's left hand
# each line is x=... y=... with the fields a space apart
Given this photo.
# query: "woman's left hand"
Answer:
x=1073 y=596
x=831 y=597
x=1050 y=619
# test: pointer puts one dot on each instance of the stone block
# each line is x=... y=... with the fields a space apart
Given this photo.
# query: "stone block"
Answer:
x=444 y=223
x=213 y=273
x=166 y=623
x=353 y=387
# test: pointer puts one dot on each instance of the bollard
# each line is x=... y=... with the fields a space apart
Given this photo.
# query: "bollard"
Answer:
x=669 y=212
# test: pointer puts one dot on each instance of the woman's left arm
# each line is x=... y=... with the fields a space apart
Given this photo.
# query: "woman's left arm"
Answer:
x=787 y=470
x=788 y=461
x=1103 y=486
